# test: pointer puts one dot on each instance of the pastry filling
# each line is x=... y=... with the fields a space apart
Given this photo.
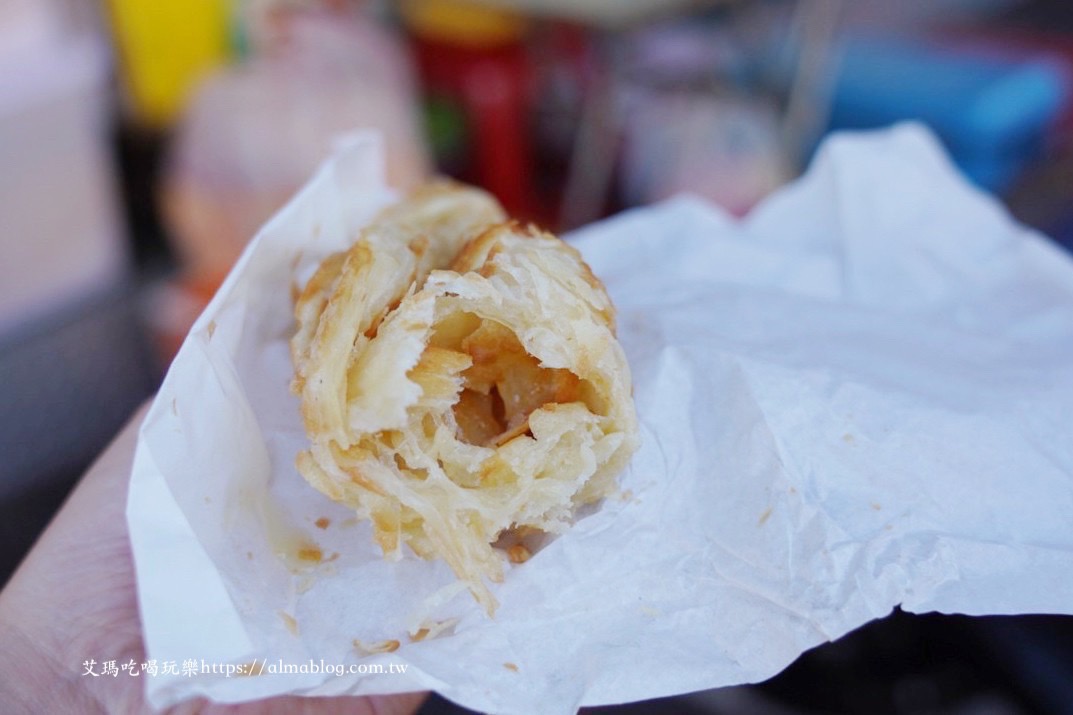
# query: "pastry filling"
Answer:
x=503 y=383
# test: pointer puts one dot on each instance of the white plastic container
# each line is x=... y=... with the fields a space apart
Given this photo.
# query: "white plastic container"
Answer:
x=60 y=231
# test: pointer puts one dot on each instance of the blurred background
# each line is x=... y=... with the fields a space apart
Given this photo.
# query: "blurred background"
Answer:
x=142 y=142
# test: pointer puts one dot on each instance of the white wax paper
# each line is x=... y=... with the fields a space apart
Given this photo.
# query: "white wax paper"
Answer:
x=860 y=396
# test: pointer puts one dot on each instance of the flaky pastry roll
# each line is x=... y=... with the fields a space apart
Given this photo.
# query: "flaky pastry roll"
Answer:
x=460 y=378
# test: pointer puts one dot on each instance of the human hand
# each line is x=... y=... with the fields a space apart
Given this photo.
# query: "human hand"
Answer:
x=73 y=598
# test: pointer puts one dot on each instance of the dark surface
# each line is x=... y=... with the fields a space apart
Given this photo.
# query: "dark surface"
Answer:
x=904 y=664
x=69 y=384
x=141 y=156
x=936 y=664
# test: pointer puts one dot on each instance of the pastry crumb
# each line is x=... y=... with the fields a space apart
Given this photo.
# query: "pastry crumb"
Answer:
x=387 y=646
x=289 y=621
x=311 y=554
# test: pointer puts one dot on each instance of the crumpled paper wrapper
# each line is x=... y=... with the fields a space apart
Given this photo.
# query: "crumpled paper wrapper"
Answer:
x=860 y=396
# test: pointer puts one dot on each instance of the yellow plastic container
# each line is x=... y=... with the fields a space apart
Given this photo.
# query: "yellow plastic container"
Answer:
x=165 y=47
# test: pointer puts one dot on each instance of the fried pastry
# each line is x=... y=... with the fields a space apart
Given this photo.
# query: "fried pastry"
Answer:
x=460 y=380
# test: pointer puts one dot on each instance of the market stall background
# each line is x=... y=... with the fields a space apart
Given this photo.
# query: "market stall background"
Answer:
x=143 y=143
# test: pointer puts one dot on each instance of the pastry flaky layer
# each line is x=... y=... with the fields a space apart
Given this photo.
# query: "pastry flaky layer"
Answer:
x=460 y=379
